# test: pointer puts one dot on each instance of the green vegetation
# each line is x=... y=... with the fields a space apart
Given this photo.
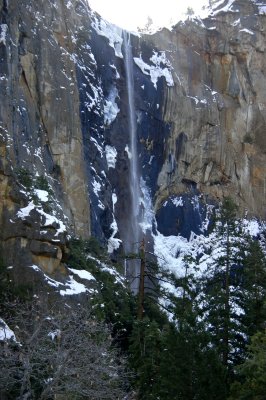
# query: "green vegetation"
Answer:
x=25 y=178
x=206 y=349
x=31 y=183
x=252 y=373
x=203 y=339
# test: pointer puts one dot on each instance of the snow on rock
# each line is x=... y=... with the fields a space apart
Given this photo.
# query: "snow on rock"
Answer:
x=105 y=267
x=119 y=278
x=169 y=249
x=5 y=332
x=97 y=145
x=226 y=8
x=117 y=75
x=101 y=205
x=113 y=243
x=177 y=201
x=111 y=154
x=25 y=212
x=161 y=67
x=237 y=22
x=51 y=220
x=94 y=99
x=3 y=29
x=247 y=31
x=73 y=288
x=96 y=187
x=129 y=154
x=83 y=274
x=110 y=107
x=49 y=280
x=42 y=195
x=114 y=200
x=54 y=334
x=262 y=9
x=69 y=288
x=197 y=100
x=112 y=32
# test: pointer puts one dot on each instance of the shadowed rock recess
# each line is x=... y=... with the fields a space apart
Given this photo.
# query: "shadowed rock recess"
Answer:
x=200 y=109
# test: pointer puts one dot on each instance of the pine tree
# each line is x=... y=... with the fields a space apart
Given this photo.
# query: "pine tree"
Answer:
x=252 y=373
x=221 y=301
x=254 y=287
x=145 y=356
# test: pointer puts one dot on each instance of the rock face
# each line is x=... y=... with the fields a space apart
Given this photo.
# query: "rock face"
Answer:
x=200 y=99
x=40 y=127
x=217 y=107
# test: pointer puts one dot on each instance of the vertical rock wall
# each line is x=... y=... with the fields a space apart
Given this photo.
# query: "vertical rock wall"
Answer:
x=200 y=99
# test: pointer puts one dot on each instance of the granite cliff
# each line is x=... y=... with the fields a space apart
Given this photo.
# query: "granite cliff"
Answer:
x=200 y=107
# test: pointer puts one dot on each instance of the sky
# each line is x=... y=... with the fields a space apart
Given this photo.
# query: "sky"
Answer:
x=131 y=14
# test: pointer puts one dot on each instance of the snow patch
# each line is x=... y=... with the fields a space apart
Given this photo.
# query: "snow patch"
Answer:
x=226 y=8
x=5 y=332
x=237 y=22
x=3 y=33
x=49 y=280
x=129 y=154
x=51 y=220
x=25 y=212
x=55 y=334
x=42 y=195
x=111 y=154
x=177 y=201
x=117 y=75
x=119 y=279
x=113 y=243
x=69 y=288
x=110 y=107
x=114 y=200
x=96 y=187
x=97 y=145
x=74 y=288
x=252 y=227
x=83 y=274
x=169 y=250
x=247 y=31
x=161 y=68
x=112 y=32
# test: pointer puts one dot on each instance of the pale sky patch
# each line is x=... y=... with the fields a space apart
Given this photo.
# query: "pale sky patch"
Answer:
x=131 y=14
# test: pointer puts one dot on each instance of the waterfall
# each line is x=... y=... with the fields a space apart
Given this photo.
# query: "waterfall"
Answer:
x=133 y=236
x=132 y=242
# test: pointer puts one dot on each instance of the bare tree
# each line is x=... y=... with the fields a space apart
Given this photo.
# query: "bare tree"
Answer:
x=66 y=354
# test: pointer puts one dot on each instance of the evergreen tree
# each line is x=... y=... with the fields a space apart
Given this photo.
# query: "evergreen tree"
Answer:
x=252 y=373
x=173 y=360
x=145 y=356
x=254 y=287
x=221 y=301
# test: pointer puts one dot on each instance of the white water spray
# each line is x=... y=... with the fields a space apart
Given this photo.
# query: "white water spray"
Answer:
x=134 y=180
x=133 y=236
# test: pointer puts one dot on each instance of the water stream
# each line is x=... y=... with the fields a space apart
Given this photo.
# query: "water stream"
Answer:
x=132 y=242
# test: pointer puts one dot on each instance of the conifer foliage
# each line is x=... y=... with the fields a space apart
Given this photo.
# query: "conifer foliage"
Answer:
x=200 y=334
